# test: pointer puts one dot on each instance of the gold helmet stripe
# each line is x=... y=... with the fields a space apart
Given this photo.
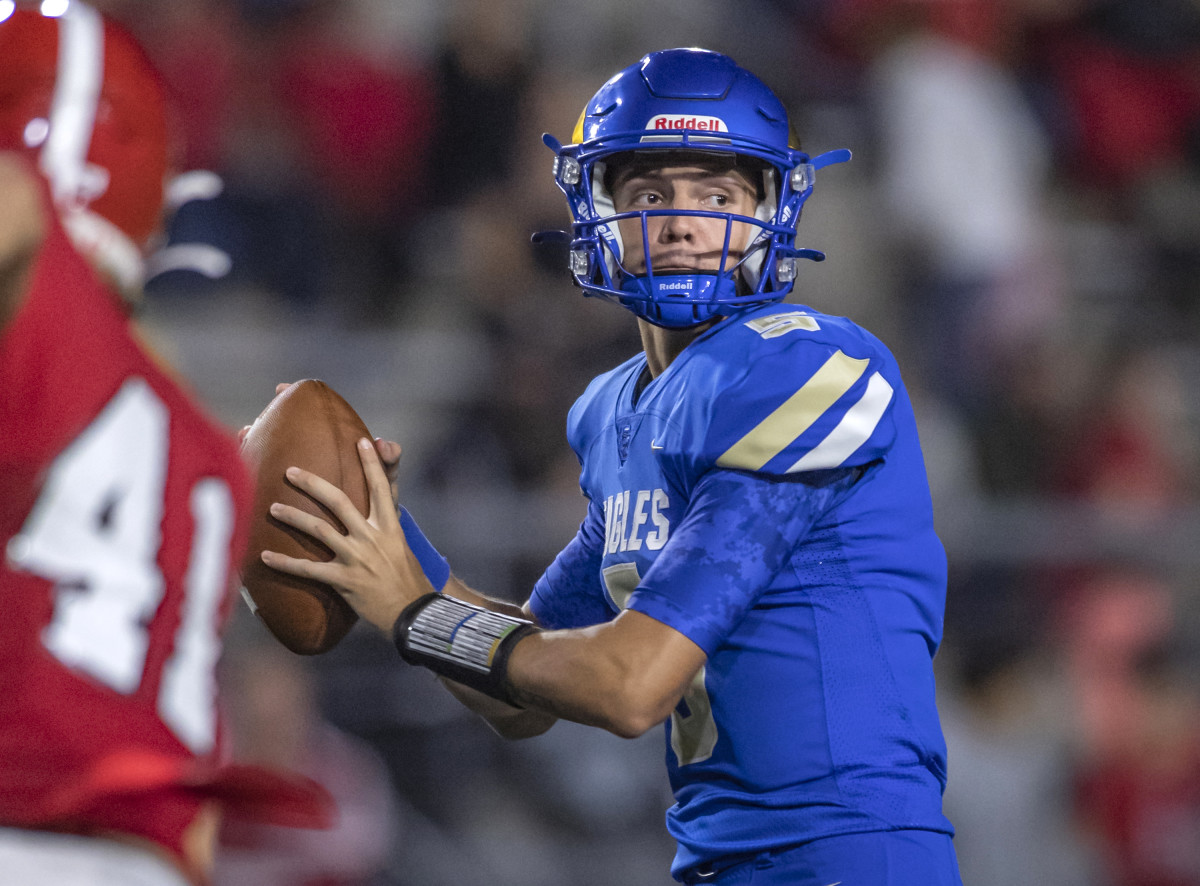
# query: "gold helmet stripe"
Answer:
x=577 y=135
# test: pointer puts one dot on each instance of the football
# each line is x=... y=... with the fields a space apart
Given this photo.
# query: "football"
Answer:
x=310 y=426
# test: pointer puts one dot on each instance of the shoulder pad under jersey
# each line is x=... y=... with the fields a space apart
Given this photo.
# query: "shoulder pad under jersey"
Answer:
x=784 y=391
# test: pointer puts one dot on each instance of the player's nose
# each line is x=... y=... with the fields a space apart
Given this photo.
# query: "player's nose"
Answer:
x=678 y=227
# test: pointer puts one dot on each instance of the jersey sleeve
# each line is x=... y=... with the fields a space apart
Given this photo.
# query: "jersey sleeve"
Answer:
x=569 y=595
x=736 y=534
x=811 y=405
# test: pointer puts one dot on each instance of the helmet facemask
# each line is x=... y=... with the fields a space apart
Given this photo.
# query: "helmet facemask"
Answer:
x=669 y=297
x=686 y=102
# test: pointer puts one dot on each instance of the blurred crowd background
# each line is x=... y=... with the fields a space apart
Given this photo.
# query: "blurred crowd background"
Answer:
x=1021 y=223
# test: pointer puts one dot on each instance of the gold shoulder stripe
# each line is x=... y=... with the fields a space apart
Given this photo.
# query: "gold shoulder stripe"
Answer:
x=795 y=415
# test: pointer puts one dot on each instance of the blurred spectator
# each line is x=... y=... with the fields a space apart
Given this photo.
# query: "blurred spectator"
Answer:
x=1138 y=707
x=961 y=163
x=220 y=59
x=275 y=717
x=1125 y=77
x=534 y=358
x=1009 y=791
x=1109 y=618
x=1132 y=452
x=1143 y=804
x=963 y=166
x=364 y=125
x=482 y=73
x=322 y=145
x=1119 y=84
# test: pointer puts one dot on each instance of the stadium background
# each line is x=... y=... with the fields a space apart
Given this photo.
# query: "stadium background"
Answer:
x=1021 y=222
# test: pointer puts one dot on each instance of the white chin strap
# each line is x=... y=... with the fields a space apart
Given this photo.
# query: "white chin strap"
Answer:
x=109 y=250
x=602 y=201
x=752 y=265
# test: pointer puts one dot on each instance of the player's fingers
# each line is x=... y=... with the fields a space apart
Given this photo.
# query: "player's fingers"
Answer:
x=327 y=494
x=242 y=433
x=283 y=386
x=379 y=485
x=389 y=451
x=309 y=524
x=325 y=572
x=389 y=454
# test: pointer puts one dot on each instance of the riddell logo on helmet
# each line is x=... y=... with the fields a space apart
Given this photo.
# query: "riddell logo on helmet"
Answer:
x=684 y=121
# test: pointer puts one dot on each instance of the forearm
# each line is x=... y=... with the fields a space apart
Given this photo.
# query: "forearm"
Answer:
x=557 y=679
x=624 y=676
x=577 y=563
x=507 y=721
x=556 y=674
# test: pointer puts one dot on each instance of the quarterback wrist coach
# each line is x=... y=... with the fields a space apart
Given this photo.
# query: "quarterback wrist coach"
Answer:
x=460 y=641
x=433 y=564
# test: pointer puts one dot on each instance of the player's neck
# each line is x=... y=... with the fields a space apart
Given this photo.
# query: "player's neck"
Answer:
x=662 y=346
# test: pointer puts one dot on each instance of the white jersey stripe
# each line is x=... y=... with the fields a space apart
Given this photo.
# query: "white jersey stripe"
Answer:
x=795 y=415
x=852 y=431
x=73 y=109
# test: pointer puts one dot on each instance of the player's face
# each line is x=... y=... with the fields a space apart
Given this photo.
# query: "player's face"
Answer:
x=683 y=243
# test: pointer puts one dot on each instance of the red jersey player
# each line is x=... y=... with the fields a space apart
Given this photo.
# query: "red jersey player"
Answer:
x=122 y=504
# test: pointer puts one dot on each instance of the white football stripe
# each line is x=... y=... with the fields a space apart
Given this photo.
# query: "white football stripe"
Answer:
x=852 y=431
x=76 y=94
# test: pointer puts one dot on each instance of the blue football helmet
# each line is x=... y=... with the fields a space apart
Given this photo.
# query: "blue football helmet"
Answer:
x=691 y=101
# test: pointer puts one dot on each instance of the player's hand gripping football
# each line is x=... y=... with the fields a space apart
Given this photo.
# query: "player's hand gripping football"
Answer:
x=372 y=567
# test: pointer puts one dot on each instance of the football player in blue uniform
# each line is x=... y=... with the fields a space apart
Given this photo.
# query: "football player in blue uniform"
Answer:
x=758 y=567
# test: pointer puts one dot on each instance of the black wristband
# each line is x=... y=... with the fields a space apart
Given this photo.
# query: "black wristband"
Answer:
x=460 y=641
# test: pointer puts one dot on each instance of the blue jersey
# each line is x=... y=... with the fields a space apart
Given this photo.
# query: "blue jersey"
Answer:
x=766 y=497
